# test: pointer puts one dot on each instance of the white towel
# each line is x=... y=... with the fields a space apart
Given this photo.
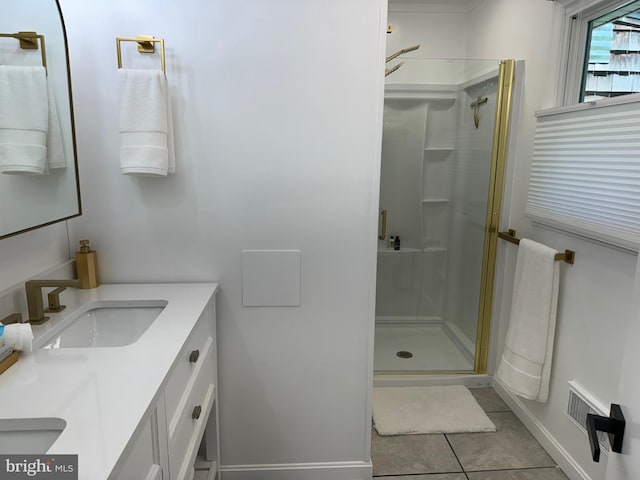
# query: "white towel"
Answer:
x=146 y=127
x=55 y=145
x=525 y=367
x=19 y=336
x=24 y=120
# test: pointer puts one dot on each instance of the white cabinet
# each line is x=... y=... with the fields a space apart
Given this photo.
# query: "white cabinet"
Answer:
x=186 y=426
x=184 y=416
x=143 y=458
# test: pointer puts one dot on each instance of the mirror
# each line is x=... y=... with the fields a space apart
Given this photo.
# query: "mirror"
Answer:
x=29 y=201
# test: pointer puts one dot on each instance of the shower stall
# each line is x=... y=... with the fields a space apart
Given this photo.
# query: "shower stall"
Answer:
x=443 y=149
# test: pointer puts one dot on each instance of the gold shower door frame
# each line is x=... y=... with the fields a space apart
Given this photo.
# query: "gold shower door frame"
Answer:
x=494 y=206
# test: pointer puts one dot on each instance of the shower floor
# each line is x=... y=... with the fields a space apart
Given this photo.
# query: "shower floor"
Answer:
x=432 y=348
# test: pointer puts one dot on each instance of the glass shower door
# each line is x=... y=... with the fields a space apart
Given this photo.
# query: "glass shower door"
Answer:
x=436 y=171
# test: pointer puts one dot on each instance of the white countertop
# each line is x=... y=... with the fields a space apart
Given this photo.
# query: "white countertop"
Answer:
x=102 y=393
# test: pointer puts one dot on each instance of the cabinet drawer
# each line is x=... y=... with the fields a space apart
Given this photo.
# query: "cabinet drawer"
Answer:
x=202 y=374
x=186 y=365
x=185 y=431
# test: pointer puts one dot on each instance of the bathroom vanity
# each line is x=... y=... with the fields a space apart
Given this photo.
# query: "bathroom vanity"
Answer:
x=145 y=409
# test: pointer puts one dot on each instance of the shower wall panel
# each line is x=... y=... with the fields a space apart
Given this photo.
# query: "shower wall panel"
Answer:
x=399 y=273
x=415 y=190
x=401 y=175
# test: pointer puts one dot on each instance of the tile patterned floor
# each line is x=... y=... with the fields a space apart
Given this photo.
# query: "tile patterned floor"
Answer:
x=510 y=453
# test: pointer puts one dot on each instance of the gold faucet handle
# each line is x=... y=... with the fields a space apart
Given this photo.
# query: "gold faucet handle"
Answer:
x=54 y=300
x=13 y=318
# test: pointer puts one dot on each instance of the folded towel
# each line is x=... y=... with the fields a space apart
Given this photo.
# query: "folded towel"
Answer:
x=525 y=367
x=24 y=120
x=146 y=128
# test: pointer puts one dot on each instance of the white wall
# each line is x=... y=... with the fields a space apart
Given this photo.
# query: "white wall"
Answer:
x=28 y=254
x=278 y=113
x=439 y=29
x=596 y=293
x=440 y=32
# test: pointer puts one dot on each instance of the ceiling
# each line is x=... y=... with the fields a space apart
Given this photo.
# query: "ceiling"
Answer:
x=434 y=5
x=436 y=2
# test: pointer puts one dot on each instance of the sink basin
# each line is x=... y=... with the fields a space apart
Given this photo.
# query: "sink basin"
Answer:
x=107 y=324
x=29 y=435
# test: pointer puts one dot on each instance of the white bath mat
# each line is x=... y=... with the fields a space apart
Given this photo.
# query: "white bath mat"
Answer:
x=414 y=410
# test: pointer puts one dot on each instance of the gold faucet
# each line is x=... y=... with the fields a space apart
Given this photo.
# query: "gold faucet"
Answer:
x=34 y=297
x=87 y=269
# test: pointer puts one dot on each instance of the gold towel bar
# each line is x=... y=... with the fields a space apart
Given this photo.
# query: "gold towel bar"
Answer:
x=145 y=45
x=29 y=41
x=568 y=256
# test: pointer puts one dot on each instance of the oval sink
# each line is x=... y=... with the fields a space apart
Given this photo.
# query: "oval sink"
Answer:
x=29 y=436
x=107 y=324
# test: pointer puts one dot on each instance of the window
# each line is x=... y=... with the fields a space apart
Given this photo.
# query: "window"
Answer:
x=592 y=58
x=612 y=55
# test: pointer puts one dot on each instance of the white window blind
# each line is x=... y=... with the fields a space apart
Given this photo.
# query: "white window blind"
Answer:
x=585 y=175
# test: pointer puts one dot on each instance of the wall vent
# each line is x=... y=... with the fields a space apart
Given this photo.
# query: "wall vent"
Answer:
x=580 y=403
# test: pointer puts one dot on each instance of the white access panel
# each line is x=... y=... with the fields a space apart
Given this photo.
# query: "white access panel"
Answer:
x=271 y=278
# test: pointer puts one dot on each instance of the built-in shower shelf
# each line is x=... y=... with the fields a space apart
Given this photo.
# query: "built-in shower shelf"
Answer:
x=390 y=251
x=438 y=149
x=437 y=93
x=434 y=249
x=435 y=201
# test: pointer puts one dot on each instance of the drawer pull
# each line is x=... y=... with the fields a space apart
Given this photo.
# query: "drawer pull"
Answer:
x=196 y=412
x=193 y=358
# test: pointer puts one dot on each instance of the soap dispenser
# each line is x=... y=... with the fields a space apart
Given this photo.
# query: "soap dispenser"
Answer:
x=87 y=266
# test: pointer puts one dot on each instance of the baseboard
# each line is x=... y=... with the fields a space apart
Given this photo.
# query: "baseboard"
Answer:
x=429 y=379
x=565 y=461
x=406 y=320
x=299 y=471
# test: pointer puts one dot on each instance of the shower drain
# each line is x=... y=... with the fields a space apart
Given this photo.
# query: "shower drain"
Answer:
x=404 y=354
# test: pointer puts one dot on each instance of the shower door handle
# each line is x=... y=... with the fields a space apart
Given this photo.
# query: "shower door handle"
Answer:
x=383 y=228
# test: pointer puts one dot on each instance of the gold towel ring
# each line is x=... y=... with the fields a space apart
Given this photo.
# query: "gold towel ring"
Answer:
x=145 y=45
